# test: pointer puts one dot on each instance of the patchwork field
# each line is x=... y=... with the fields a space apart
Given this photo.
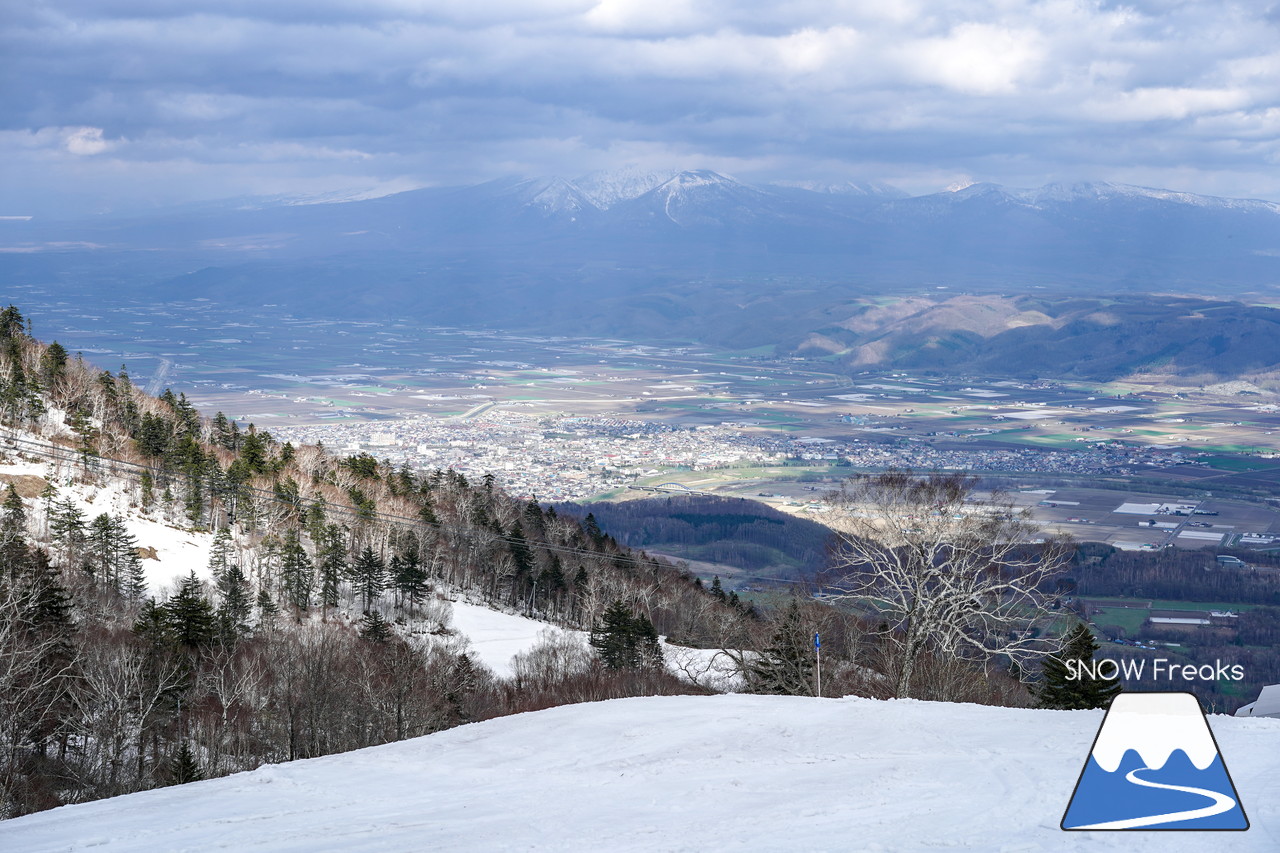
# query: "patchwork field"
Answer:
x=262 y=364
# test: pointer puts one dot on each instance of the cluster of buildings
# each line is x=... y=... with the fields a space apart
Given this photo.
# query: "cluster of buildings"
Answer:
x=569 y=458
x=555 y=458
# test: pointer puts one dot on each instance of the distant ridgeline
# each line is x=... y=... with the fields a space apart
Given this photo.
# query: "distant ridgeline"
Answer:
x=732 y=531
x=1061 y=337
x=321 y=570
x=858 y=274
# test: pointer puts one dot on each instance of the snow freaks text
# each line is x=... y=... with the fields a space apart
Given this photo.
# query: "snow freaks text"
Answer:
x=1159 y=669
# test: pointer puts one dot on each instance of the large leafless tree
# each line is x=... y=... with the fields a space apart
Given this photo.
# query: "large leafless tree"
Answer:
x=944 y=573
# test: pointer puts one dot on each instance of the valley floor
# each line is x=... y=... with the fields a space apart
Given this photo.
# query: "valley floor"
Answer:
x=729 y=772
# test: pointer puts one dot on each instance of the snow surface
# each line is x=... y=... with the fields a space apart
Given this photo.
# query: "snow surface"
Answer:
x=498 y=637
x=495 y=638
x=177 y=551
x=607 y=188
x=711 y=773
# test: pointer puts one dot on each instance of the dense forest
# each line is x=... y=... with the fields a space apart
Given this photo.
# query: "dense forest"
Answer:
x=1176 y=574
x=733 y=531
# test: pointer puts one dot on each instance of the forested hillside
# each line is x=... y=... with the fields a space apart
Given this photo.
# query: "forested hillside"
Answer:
x=317 y=629
x=733 y=531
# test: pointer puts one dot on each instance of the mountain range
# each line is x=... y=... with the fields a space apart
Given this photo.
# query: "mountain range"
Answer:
x=693 y=255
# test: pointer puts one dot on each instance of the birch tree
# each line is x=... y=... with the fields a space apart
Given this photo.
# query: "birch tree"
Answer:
x=942 y=573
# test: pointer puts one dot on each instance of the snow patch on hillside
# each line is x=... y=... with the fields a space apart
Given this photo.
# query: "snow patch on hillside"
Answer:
x=496 y=638
x=673 y=773
x=170 y=552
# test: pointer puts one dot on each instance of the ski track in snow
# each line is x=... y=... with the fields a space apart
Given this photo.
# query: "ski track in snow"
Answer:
x=1221 y=803
x=733 y=772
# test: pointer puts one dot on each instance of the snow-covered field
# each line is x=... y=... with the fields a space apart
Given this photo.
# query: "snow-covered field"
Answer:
x=676 y=773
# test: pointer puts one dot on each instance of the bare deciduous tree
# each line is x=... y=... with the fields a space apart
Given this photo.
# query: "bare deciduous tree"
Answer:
x=943 y=573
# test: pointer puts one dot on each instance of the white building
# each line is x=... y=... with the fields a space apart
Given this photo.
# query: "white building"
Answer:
x=1267 y=705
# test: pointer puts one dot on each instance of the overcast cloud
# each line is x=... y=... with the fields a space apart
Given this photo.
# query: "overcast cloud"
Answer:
x=113 y=104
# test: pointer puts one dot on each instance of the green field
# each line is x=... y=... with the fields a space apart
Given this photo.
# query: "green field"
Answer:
x=1166 y=604
x=1130 y=619
x=1239 y=463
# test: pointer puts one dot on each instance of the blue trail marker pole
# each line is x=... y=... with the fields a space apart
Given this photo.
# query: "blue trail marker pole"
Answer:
x=817 y=651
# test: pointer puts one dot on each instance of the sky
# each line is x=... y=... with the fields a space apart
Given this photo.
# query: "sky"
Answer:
x=116 y=105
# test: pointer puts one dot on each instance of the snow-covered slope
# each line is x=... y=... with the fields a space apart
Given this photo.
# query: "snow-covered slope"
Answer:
x=495 y=638
x=675 y=773
x=607 y=188
x=171 y=552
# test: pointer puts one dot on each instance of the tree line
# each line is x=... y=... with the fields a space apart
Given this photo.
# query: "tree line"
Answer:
x=1174 y=573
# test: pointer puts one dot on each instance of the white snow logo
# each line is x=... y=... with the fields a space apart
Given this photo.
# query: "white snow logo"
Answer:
x=1155 y=765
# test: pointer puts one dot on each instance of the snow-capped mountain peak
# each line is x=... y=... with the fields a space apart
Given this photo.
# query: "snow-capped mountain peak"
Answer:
x=1107 y=191
x=608 y=187
x=868 y=189
x=692 y=178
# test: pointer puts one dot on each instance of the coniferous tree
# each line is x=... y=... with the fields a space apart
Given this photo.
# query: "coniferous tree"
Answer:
x=152 y=625
x=374 y=628
x=267 y=609
x=624 y=641
x=716 y=589
x=48 y=498
x=100 y=561
x=13 y=515
x=189 y=615
x=220 y=553
x=67 y=529
x=368 y=576
x=13 y=535
x=50 y=605
x=53 y=362
x=647 y=642
x=331 y=557
x=183 y=767
x=297 y=573
x=112 y=557
x=133 y=578
x=611 y=638
x=1060 y=688
x=49 y=630
x=409 y=578
x=314 y=521
x=147 y=482
x=463 y=681
x=552 y=580
x=233 y=613
x=785 y=667
x=592 y=529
